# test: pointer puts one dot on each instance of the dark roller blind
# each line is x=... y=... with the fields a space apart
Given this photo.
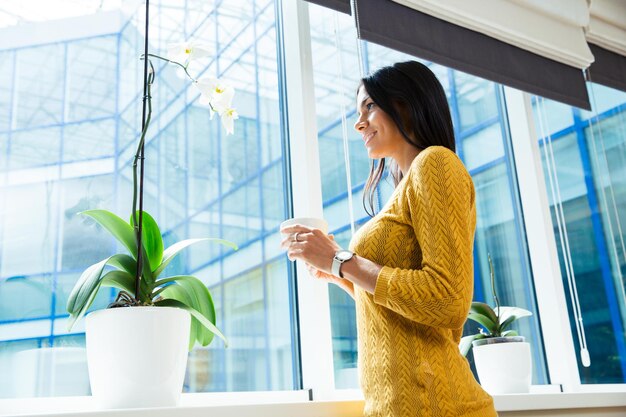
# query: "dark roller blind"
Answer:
x=608 y=68
x=407 y=30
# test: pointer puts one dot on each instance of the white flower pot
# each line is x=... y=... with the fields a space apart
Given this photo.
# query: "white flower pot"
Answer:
x=137 y=356
x=503 y=364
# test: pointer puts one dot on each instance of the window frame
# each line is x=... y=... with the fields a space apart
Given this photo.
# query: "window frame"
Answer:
x=313 y=307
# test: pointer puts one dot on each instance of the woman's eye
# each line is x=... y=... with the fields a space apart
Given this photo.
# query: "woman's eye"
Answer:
x=369 y=106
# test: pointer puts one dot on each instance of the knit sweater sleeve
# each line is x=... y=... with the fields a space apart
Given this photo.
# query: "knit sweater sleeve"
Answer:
x=439 y=200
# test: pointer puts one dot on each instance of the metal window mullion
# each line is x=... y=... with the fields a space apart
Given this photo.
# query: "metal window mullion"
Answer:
x=550 y=293
x=220 y=213
x=312 y=295
x=513 y=189
x=258 y=142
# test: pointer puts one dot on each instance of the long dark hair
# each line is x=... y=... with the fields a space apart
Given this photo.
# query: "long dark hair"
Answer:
x=412 y=96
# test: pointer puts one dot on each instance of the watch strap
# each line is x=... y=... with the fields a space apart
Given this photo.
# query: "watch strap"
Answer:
x=335 y=269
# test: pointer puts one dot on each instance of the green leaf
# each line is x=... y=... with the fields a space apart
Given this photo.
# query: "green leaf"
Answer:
x=173 y=250
x=490 y=325
x=150 y=239
x=85 y=291
x=509 y=333
x=128 y=264
x=485 y=310
x=176 y=292
x=196 y=314
x=506 y=323
x=121 y=230
x=197 y=297
x=119 y=279
x=124 y=262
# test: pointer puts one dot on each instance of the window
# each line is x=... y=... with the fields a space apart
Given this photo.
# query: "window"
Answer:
x=483 y=143
x=584 y=157
x=67 y=142
x=67 y=146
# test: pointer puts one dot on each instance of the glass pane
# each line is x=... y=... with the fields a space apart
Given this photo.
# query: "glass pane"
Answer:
x=483 y=145
x=203 y=158
x=476 y=100
x=560 y=116
x=483 y=148
x=40 y=87
x=29 y=229
x=25 y=297
x=4 y=151
x=588 y=178
x=84 y=242
x=7 y=62
x=77 y=121
x=91 y=72
x=89 y=140
x=36 y=147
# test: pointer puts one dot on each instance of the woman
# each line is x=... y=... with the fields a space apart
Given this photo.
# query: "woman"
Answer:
x=409 y=268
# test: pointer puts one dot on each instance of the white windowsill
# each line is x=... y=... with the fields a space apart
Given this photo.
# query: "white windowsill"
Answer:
x=290 y=404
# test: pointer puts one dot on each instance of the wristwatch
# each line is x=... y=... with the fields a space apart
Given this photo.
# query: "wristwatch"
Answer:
x=341 y=256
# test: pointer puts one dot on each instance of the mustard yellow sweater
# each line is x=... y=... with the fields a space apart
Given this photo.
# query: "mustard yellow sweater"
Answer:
x=409 y=330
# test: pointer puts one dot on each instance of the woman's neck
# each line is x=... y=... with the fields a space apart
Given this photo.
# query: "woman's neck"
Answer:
x=405 y=158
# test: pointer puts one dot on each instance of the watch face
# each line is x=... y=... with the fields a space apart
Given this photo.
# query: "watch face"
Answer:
x=344 y=255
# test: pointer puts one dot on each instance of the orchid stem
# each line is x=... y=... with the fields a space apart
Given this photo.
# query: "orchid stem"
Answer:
x=145 y=122
x=180 y=65
x=493 y=290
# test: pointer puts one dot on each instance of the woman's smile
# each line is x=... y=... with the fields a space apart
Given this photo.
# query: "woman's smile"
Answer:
x=368 y=136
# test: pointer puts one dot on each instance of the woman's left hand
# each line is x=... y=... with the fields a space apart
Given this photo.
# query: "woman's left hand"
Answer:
x=309 y=245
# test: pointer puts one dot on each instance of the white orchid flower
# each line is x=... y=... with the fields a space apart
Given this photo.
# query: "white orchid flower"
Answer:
x=228 y=116
x=184 y=52
x=218 y=96
x=215 y=93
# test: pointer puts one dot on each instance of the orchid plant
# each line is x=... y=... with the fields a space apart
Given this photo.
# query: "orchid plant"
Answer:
x=494 y=322
x=137 y=274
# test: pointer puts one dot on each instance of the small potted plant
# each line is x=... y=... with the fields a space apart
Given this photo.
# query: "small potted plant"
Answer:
x=502 y=357
x=137 y=356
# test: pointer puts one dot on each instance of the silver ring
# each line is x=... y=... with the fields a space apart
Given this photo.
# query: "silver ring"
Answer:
x=295 y=237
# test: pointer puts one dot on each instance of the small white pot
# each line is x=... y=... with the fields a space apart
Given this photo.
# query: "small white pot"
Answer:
x=137 y=356
x=503 y=364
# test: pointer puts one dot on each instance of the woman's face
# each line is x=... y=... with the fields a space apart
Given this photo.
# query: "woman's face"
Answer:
x=381 y=135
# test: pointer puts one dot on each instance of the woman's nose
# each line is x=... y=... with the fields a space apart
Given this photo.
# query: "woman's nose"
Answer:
x=360 y=124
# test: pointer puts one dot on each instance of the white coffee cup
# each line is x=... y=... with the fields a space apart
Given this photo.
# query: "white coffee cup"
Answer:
x=313 y=222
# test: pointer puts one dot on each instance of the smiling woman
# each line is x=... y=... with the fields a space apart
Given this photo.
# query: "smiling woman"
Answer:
x=482 y=143
x=410 y=267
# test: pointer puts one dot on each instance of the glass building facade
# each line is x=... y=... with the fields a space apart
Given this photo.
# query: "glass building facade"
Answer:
x=68 y=144
x=71 y=111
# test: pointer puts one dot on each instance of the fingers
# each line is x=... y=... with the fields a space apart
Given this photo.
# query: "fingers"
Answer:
x=314 y=272
x=294 y=233
x=294 y=253
x=296 y=228
x=294 y=239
